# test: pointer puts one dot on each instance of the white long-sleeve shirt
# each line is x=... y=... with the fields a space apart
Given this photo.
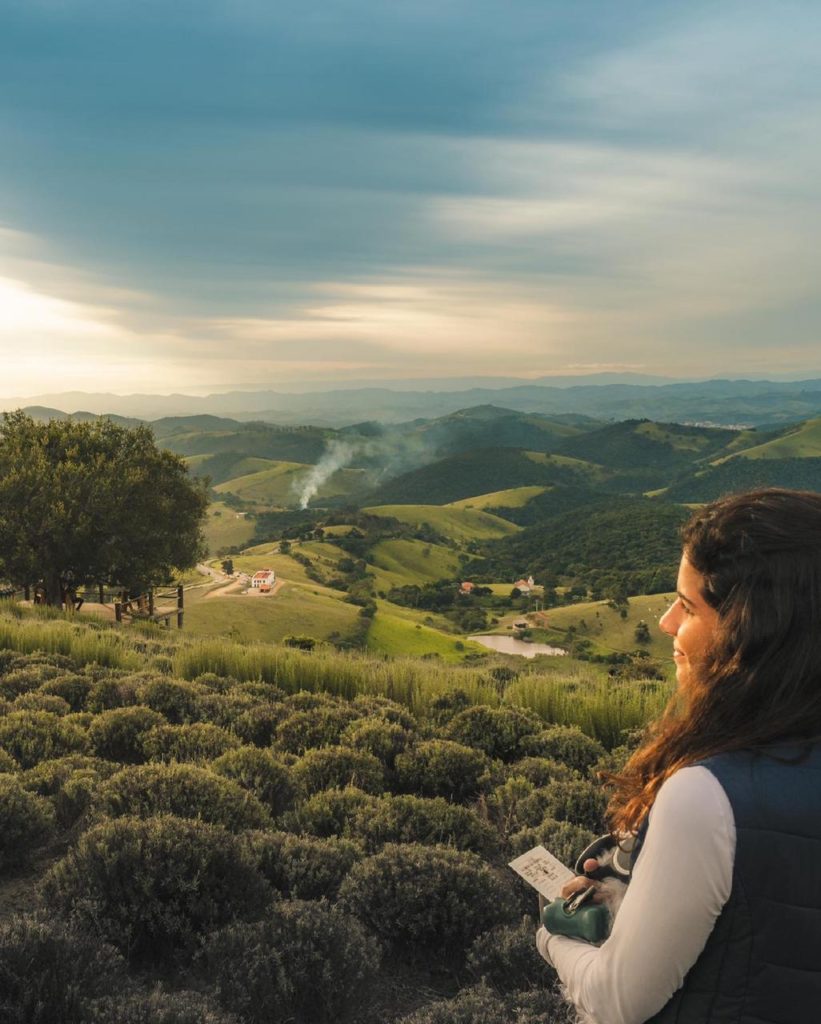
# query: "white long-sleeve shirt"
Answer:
x=681 y=881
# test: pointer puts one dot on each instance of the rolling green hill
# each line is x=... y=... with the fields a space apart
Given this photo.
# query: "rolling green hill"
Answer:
x=459 y=525
x=742 y=474
x=397 y=563
x=281 y=483
x=800 y=442
x=513 y=497
x=225 y=528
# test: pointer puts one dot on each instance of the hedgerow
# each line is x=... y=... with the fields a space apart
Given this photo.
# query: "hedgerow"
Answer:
x=153 y=887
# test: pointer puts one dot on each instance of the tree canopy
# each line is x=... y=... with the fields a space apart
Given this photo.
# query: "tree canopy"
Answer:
x=91 y=502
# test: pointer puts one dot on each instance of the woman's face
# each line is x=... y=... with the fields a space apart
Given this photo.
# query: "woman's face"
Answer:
x=691 y=622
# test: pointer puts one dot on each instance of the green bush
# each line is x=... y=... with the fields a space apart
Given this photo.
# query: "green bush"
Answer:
x=7 y=762
x=577 y=801
x=337 y=768
x=224 y=709
x=176 y=701
x=73 y=688
x=374 y=706
x=479 y=1005
x=153 y=887
x=415 y=819
x=49 y=969
x=565 y=743
x=443 y=708
x=303 y=867
x=564 y=840
x=184 y=790
x=441 y=768
x=117 y=735
x=258 y=724
x=540 y=770
x=36 y=700
x=260 y=773
x=198 y=742
x=157 y=1007
x=426 y=899
x=379 y=737
x=34 y=736
x=506 y=957
x=25 y=678
x=509 y=806
x=497 y=731
x=329 y=813
x=320 y=726
x=70 y=782
x=308 y=963
x=28 y=822
x=109 y=693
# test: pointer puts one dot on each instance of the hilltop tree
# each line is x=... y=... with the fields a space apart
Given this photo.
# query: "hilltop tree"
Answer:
x=82 y=503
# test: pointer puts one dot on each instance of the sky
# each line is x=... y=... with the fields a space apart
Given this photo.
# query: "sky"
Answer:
x=201 y=196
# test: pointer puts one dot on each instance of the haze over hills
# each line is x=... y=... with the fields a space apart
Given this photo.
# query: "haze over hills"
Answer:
x=717 y=402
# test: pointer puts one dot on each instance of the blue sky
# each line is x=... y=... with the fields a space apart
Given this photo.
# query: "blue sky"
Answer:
x=201 y=196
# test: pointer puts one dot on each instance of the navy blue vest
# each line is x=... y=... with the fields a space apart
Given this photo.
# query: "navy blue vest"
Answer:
x=762 y=961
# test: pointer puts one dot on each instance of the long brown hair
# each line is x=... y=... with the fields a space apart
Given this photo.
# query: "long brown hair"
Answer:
x=760 y=556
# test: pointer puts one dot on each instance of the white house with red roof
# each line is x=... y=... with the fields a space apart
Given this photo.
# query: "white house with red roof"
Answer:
x=263 y=580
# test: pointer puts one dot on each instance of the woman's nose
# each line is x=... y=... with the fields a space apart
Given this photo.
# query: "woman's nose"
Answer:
x=666 y=622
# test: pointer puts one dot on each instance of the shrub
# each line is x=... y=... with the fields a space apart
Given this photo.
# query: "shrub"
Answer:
x=309 y=963
x=184 y=790
x=198 y=742
x=224 y=709
x=414 y=819
x=7 y=762
x=109 y=693
x=258 y=724
x=259 y=772
x=426 y=899
x=441 y=768
x=176 y=701
x=336 y=768
x=540 y=770
x=479 y=1005
x=506 y=957
x=564 y=840
x=117 y=735
x=565 y=743
x=374 y=706
x=158 y=1007
x=543 y=1004
x=328 y=813
x=74 y=689
x=25 y=678
x=36 y=700
x=153 y=887
x=443 y=708
x=34 y=736
x=577 y=801
x=28 y=822
x=70 y=782
x=48 y=969
x=303 y=867
x=497 y=731
x=509 y=805
x=381 y=738
x=321 y=726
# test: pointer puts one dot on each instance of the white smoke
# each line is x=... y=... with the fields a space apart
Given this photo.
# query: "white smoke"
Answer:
x=337 y=455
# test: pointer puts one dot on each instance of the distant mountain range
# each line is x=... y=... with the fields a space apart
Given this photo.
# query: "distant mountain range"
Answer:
x=726 y=403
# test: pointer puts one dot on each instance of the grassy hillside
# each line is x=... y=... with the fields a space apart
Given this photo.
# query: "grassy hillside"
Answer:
x=224 y=528
x=742 y=474
x=800 y=442
x=459 y=525
x=400 y=562
x=282 y=482
x=513 y=497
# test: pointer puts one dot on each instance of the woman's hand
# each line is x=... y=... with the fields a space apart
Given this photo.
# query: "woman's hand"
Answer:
x=581 y=882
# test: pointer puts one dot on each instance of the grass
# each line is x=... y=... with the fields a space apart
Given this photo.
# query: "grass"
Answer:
x=283 y=481
x=801 y=443
x=266 y=556
x=225 y=529
x=293 y=610
x=401 y=562
x=459 y=525
x=587 y=470
x=398 y=636
x=513 y=497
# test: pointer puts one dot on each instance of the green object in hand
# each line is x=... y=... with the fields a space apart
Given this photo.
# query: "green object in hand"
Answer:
x=577 y=917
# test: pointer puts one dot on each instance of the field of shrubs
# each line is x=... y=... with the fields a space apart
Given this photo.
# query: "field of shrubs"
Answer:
x=186 y=844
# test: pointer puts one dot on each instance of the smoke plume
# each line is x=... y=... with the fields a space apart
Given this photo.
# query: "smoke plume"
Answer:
x=338 y=454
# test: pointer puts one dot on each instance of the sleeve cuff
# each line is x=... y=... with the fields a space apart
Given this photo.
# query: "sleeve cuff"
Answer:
x=542 y=938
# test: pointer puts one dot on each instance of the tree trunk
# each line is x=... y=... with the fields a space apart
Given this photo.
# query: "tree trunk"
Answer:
x=53 y=587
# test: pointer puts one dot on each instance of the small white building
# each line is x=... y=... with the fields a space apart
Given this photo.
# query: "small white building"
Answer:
x=263 y=580
x=524 y=586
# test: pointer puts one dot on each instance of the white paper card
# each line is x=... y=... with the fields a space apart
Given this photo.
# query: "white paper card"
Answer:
x=543 y=871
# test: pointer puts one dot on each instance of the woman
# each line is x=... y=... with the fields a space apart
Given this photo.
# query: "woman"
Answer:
x=722 y=918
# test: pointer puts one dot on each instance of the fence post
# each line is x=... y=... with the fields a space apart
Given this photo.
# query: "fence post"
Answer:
x=118 y=611
x=180 y=606
x=27 y=592
x=100 y=593
x=151 y=601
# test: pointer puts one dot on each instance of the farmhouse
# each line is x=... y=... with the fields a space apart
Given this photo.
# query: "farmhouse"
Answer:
x=263 y=580
x=467 y=587
x=524 y=586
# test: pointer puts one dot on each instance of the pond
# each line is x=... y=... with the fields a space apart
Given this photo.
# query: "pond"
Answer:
x=510 y=645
